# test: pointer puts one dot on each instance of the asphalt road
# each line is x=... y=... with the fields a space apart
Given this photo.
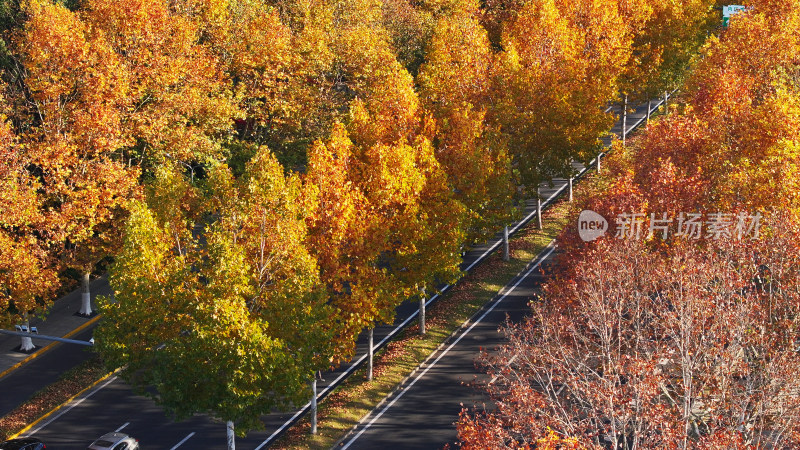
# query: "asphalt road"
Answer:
x=19 y=385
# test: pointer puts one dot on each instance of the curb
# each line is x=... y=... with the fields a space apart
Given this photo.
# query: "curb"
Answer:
x=64 y=403
x=50 y=346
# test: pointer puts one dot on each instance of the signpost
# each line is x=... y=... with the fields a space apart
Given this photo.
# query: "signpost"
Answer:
x=728 y=11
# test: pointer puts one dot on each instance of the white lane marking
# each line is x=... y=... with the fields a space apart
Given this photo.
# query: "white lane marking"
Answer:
x=406 y=388
x=123 y=426
x=182 y=441
x=67 y=409
x=510 y=362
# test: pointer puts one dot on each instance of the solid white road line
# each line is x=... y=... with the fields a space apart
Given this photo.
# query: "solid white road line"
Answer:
x=510 y=362
x=69 y=408
x=400 y=393
x=182 y=441
x=123 y=426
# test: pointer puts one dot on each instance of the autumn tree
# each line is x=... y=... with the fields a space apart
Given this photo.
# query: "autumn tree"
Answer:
x=734 y=145
x=557 y=71
x=28 y=270
x=232 y=321
x=455 y=82
x=179 y=103
x=691 y=348
x=72 y=130
x=665 y=38
x=278 y=59
x=386 y=226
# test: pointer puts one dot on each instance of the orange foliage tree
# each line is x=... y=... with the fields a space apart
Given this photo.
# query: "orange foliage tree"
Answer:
x=28 y=270
x=455 y=82
x=72 y=133
x=635 y=348
x=677 y=343
x=558 y=70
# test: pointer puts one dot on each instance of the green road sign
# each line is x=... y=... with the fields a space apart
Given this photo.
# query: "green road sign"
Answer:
x=728 y=11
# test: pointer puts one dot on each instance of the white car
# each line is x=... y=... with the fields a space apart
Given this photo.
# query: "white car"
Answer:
x=115 y=441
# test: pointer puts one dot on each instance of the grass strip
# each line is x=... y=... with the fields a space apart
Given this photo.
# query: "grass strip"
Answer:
x=356 y=397
x=68 y=385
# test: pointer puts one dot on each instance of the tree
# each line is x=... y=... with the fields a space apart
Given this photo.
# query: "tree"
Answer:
x=73 y=130
x=688 y=348
x=455 y=81
x=28 y=274
x=666 y=37
x=279 y=63
x=232 y=324
x=345 y=238
x=180 y=105
x=734 y=145
x=385 y=215
x=557 y=72
x=383 y=228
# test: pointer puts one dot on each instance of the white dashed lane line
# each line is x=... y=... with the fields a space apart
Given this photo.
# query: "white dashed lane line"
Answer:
x=182 y=441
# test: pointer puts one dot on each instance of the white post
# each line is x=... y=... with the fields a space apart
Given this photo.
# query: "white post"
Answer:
x=624 y=119
x=539 y=208
x=26 y=344
x=666 y=105
x=371 y=354
x=314 y=406
x=570 y=188
x=230 y=435
x=649 y=106
x=506 y=255
x=86 y=296
x=598 y=161
x=422 y=313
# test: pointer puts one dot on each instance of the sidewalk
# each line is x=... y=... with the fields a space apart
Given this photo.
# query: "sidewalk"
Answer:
x=61 y=321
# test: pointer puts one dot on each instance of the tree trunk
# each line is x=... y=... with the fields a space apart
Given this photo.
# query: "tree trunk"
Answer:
x=370 y=354
x=422 y=312
x=570 y=188
x=314 y=406
x=624 y=119
x=649 y=106
x=86 y=296
x=506 y=255
x=26 y=344
x=538 y=209
x=230 y=435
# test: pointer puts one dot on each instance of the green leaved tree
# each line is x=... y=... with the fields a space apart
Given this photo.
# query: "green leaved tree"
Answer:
x=230 y=320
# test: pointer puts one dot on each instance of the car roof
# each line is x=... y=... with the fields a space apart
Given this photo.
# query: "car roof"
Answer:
x=17 y=443
x=114 y=438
